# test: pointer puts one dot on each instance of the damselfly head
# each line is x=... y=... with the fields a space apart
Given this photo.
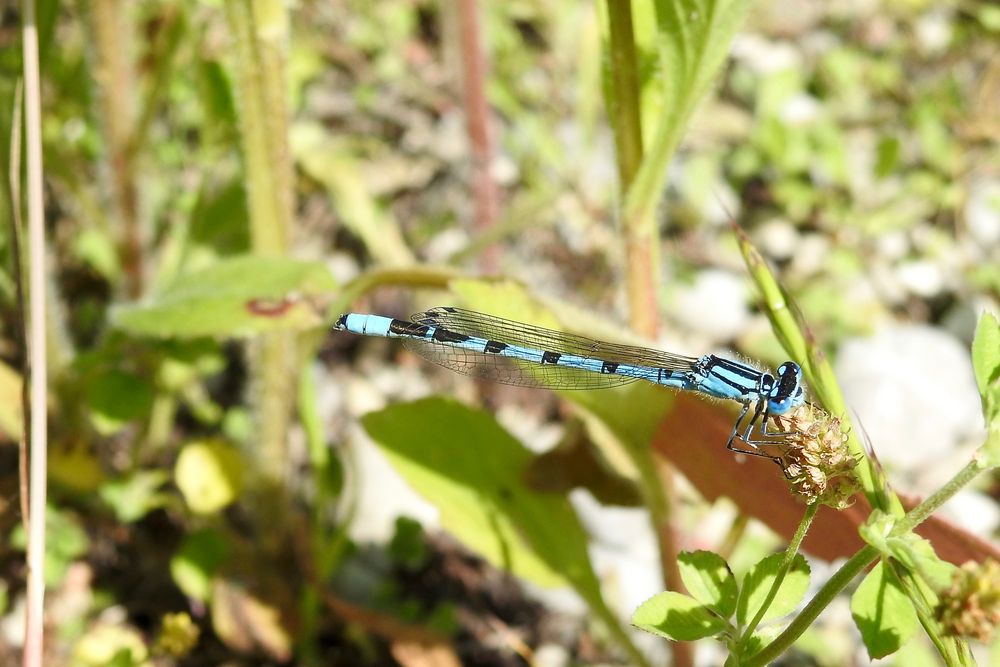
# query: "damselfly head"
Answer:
x=786 y=393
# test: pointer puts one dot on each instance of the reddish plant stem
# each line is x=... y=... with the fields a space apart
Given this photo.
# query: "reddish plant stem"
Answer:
x=485 y=194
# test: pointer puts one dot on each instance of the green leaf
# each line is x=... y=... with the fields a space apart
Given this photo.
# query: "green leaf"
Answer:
x=246 y=623
x=134 y=496
x=117 y=398
x=110 y=645
x=883 y=613
x=917 y=555
x=876 y=530
x=757 y=584
x=66 y=540
x=10 y=402
x=238 y=296
x=463 y=462
x=209 y=475
x=196 y=562
x=678 y=617
x=693 y=41
x=986 y=363
x=709 y=580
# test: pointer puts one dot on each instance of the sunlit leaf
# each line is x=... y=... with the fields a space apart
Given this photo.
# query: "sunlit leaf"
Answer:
x=693 y=39
x=10 y=402
x=758 y=582
x=66 y=541
x=986 y=363
x=137 y=494
x=472 y=470
x=195 y=564
x=247 y=623
x=209 y=475
x=238 y=296
x=709 y=580
x=883 y=613
x=678 y=617
x=117 y=398
x=76 y=468
x=106 y=644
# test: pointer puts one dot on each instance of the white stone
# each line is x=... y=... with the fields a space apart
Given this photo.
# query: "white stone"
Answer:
x=382 y=494
x=933 y=31
x=777 y=238
x=765 y=56
x=715 y=305
x=551 y=655
x=972 y=510
x=800 y=109
x=914 y=391
x=921 y=277
x=982 y=212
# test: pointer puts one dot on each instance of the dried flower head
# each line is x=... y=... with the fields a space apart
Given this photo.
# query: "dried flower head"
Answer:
x=815 y=457
x=970 y=607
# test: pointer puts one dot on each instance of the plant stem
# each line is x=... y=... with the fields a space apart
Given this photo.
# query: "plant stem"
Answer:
x=615 y=628
x=485 y=195
x=260 y=27
x=35 y=596
x=862 y=559
x=624 y=100
x=111 y=37
x=638 y=226
x=820 y=601
x=921 y=512
x=910 y=584
x=641 y=244
x=786 y=564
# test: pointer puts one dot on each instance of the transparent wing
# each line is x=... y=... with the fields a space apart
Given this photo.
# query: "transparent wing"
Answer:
x=526 y=373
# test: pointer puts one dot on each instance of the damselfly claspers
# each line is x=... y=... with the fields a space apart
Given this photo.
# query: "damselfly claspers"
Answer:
x=521 y=354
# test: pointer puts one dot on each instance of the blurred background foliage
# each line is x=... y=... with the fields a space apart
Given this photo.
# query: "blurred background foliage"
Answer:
x=855 y=141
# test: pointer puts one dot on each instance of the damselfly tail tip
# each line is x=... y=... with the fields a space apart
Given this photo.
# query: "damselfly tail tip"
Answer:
x=341 y=322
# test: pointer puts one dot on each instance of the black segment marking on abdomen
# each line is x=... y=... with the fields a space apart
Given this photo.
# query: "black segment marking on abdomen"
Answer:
x=609 y=367
x=494 y=347
x=550 y=357
x=404 y=328
x=445 y=336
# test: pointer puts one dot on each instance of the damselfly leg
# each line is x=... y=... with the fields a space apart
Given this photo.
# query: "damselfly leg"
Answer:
x=762 y=416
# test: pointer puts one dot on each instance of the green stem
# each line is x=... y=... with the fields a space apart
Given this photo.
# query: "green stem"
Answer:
x=260 y=28
x=414 y=277
x=786 y=564
x=624 y=100
x=812 y=610
x=614 y=626
x=111 y=36
x=861 y=560
x=656 y=490
x=921 y=512
x=917 y=593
